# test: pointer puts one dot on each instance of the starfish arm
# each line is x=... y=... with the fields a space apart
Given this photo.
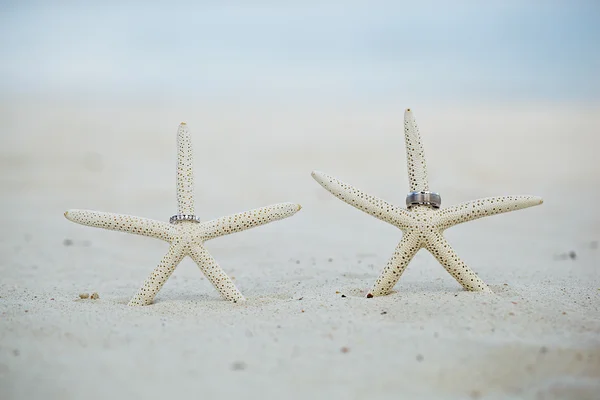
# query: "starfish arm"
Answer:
x=215 y=274
x=246 y=220
x=372 y=205
x=443 y=252
x=185 y=171
x=484 y=207
x=122 y=223
x=158 y=277
x=415 y=154
x=405 y=251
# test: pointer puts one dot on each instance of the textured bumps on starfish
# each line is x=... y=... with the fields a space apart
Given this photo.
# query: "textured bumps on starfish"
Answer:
x=187 y=234
x=422 y=225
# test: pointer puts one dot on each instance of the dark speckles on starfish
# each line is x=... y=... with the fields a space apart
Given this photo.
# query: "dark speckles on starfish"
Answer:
x=186 y=236
x=422 y=225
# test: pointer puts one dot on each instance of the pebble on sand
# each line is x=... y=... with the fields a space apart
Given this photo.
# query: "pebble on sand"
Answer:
x=238 y=366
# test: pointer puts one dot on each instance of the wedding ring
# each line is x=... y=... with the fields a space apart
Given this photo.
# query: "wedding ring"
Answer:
x=183 y=217
x=431 y=199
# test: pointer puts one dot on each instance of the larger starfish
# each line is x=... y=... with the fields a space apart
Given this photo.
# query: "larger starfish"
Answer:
x=185 y=234
x=422 y=225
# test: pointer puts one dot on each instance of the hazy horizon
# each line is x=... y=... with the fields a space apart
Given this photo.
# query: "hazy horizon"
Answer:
x=538 y=51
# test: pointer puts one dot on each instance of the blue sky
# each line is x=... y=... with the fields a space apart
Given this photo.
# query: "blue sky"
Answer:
x=526 y=50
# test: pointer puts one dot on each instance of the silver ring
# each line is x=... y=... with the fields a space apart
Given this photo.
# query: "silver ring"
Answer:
x=431 y=199
x=183 y=217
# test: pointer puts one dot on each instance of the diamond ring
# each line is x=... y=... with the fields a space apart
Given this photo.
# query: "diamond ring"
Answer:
x=183 y=217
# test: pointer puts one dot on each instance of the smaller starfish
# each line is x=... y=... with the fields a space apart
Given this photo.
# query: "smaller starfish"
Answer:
x=186 y=234
x=422 y=224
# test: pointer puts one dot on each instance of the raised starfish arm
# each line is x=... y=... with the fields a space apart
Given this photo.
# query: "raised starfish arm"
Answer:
x=370 y=204
x=415 y=154
x=215 y=274
x=122 y=223
x=405 y=251
x=158 y=277
x=443 y=252
x=484 y=207
x=246 y=220
x=185 y=171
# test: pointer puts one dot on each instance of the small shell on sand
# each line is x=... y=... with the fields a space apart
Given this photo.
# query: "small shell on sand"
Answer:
x=84 y=295
x=94 y=296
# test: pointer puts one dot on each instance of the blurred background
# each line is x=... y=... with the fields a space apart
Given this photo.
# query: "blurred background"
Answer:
x=506 y=94
x=378 y=50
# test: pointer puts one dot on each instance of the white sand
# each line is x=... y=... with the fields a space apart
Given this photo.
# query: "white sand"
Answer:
x=538 y=337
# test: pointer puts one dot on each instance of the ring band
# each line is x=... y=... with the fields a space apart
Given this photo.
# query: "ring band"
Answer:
x=183 y=217
x=425 y=198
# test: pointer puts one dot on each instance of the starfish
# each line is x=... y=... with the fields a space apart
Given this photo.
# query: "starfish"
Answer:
x=185 y=234
x=422 y=225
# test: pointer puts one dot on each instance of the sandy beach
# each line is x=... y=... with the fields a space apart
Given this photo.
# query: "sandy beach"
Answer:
x=306 y=331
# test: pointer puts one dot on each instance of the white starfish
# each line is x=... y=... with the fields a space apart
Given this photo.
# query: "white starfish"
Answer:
x=421 y=225
x=186 y=236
